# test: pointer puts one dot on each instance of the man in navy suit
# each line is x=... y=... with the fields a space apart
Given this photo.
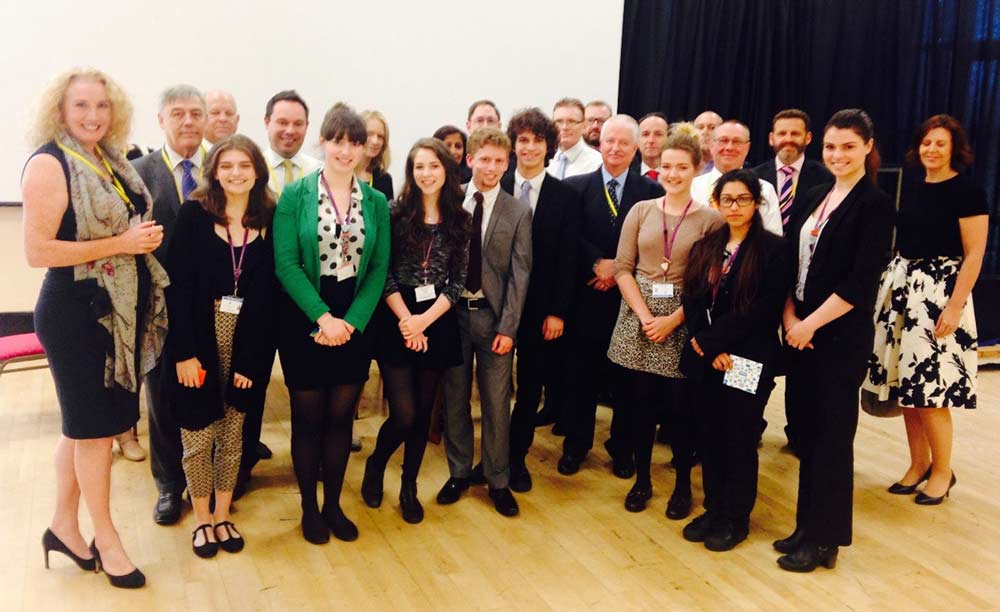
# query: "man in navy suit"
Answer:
x=607 y=195
x=541 y=349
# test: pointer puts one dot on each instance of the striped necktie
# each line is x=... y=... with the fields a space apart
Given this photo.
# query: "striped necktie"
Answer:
x=787 y=194
x=188 y=182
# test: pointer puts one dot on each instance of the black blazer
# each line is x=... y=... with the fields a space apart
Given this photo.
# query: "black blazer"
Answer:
x=190 y=306
x=813 y=174
x=597 y=311
x=166 y=202
x=849 y=259
x=752 y=334
x=554 y=230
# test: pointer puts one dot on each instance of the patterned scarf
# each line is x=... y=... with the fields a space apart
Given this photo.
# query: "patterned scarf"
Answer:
x=101 y=213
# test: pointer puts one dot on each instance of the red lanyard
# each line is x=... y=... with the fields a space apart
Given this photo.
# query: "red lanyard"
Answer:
x=668 y=237
x=727 y=266
x=425 y=264
x=333 y=202
x=821 y=219
x=237 y=267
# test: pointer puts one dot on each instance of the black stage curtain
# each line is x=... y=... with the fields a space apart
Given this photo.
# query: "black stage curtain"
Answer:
x=900 y=60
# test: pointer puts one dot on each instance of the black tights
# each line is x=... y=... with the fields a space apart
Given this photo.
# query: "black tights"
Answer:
x=646 y=396
x=322 y=420
x=410 y=392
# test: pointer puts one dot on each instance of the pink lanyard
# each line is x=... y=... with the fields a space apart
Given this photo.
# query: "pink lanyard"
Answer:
x=237 y=267
x=727 y=266
x=425 y=264
x=670 y=238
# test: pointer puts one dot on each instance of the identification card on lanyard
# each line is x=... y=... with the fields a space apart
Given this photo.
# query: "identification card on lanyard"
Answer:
x=233 y=303
x=669 y=238
x=426 y=291
x=663 y=290
x=346 y=270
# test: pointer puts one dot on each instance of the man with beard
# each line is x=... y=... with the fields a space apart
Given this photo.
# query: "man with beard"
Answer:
x=594 y=115
x=790 y=172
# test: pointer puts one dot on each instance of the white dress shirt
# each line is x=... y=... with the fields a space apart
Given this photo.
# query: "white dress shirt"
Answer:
x=536 y=187
x=701 y=192
x=580 y=159
x=302 y=165
x=489 y=199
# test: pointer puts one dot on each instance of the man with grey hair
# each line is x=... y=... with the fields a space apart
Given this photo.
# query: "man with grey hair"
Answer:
x=171 y=173
x=222 y=118
x=607 y=195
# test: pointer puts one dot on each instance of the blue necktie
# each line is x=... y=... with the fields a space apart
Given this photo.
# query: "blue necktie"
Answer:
x=188 y=183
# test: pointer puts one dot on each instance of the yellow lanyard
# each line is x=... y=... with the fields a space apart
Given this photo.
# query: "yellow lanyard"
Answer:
x=166 y=162
x=110 y=176
x=611 y=204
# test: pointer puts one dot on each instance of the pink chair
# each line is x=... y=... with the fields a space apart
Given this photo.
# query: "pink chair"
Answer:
x=20 y=348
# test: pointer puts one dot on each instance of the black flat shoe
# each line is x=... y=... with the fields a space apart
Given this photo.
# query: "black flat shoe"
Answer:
x=208 y=549
x=899 y=488
x=263 y=451
x=413 y=512
x=371 y=484
x=504 y=502
x=232 y=544
x=791 y=543
x=725 y=535
x=132 y=580
x=698 y=529
x=569 y=465
x=51 y=541
x=623 y=468
x=926 y=500
x=679 y=506
x=545 y=416
x=452 y=490
x=808 y=557
x=168 y=509
x=520 y=480
x=637 y=498
x=477 y=477
x=342 y=527
x=314 y=528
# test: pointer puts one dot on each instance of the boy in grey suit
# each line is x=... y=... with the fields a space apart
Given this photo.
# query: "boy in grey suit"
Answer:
x=489 y=313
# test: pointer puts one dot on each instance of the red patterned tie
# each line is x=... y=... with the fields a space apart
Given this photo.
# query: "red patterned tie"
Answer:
x=653 y=173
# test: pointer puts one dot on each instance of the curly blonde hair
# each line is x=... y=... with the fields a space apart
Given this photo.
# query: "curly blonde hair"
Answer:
x=49 y=119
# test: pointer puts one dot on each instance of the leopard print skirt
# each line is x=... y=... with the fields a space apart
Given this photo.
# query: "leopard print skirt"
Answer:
x=630 y=348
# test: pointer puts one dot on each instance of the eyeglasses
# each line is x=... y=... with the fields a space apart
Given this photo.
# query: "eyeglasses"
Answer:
x=567 y=122
x=742 y=201
x=736 y=142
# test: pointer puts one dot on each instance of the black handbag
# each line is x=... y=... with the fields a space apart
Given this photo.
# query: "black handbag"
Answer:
x=883 y=409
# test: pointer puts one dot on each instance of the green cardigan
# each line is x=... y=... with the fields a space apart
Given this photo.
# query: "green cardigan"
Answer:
x=296 y=250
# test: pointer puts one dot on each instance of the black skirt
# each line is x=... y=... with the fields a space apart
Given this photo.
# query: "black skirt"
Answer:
x=444 y=347
x=76 y=346
x=308 y=365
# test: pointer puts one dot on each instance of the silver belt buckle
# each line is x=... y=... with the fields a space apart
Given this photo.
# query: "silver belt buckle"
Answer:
x=469 y=304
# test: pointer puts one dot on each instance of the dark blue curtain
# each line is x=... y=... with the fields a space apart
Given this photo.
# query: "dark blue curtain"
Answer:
x=901 y=60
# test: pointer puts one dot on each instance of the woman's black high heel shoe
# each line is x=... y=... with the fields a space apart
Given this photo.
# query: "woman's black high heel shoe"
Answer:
x=51 y=541
x=926 y=500
x=132 y=580
x=791 y=543
x=899 y=488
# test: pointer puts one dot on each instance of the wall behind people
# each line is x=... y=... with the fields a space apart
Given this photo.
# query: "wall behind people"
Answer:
x=419 y=64
x=900 y=61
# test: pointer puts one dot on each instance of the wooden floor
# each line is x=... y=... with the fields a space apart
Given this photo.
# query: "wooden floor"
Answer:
x=573 y=547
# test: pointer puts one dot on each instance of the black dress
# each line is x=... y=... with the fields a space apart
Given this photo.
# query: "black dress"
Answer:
x=76 y=345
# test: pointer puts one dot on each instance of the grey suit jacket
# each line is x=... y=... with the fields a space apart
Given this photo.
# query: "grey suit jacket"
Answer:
x=507 y=261
x=166 y=202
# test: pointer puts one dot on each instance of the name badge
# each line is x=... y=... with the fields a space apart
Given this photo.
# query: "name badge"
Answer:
x=231 y=304
x=425 y=292
x=134 y=220
x=663 y=290
x=344 y=272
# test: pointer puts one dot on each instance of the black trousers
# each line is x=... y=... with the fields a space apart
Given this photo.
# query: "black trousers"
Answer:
x=823 y=386
x=728 y=423
x=589 y=371
x=252 y=425
x=165 y=448
x=540 y=365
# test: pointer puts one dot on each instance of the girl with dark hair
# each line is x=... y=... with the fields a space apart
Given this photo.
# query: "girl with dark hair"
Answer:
x=648 y=338
x=456 y=140
x=418 y=334
x=220 y=305
x=925 y=328
x=840 y=244
x=331 y=253
x=734 y=288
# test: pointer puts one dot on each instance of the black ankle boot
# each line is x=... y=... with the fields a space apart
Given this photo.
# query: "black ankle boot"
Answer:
x=371 y=484
x=413 y=512
x=791 y=543
x=808 y=557
x=342 y=527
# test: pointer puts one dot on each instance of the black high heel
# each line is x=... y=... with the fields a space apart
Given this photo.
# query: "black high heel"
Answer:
x=132 y=580
x=926 y=500
x=899 y=488
x=808 y=557
x=791 y=543
x=51 y=541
